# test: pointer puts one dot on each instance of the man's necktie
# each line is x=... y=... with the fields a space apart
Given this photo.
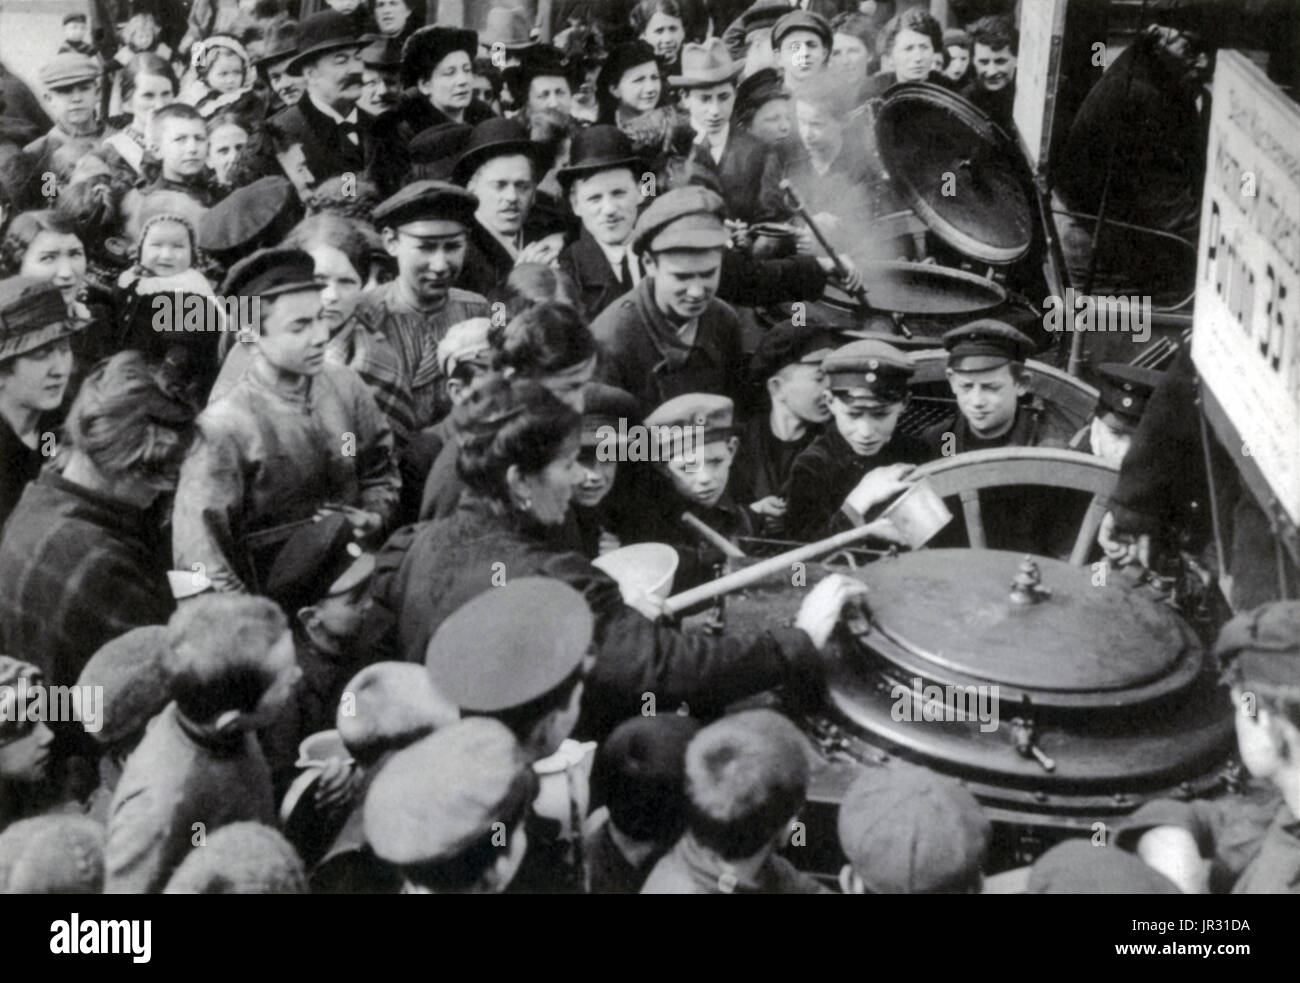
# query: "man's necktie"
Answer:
x=351 y=132
x=625 y=271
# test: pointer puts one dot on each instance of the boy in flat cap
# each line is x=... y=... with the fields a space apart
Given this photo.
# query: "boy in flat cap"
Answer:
x=1122 y=395
x=788 y=366
x=324 y=129
x=199 y=767
x=907 y=830
x=448 y=812
x=1250 y=843
x=671 y=335
x=25 y=747
x=72 y=93
x=801 y=41
x=295 y=434
x=425 y=227
x=321 y=580
x=862 y=460
x=746 y=780
x=638 y=786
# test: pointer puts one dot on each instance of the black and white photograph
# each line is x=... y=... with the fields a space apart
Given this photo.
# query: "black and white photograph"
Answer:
x=714 y=447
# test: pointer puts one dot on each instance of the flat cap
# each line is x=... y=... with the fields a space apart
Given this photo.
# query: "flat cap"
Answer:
x=604 y=406
x=52 y=854
x=788 y=344
x=802 y=20
x=465 y=341
x=1125 y=389
x=869 y=369
x=1078 y=867
x=68 y=69
x=388 y=705
x=684 y=218
x=907 y=830
x=1262 y=646
x=320 y=560
x=241 y=858
x=639 y=773
x=33 y=313
x=430 y=45
x=437 y=147
x=744 y=759
x=271 y=272
x=131 y=669
x=434 y=799
x=424 y=201
x=381 y=52
x=985 y=344
x=510 y=645
x=670 y=423
x=258 y=215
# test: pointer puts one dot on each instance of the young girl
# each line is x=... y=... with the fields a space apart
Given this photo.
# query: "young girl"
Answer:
x=221 y=76
x=166 y=251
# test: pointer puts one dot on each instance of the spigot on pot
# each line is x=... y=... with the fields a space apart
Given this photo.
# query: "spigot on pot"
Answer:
x=1026 y=588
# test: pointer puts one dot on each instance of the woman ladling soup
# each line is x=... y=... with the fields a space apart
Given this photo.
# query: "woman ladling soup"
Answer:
x=519 y=450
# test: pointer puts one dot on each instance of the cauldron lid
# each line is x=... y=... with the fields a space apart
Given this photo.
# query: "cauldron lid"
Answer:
x=923 y=288
x=948 y=613
x=926 y=133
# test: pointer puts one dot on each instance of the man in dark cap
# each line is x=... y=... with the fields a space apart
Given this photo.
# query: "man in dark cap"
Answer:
x=501 y=167
x=1123 y=392
x=257 y=216
x=746 y=780
x=320 y=579
x=434 y=151
x=330 y=134
x=862 y=460
x=425 y=228
x=1252 y=841
x=788 y=367
x=381 y=83
x=448 y=812
x=801 y=41
x=638 y=789
x=236 y=504
x=671 y=335
x=271 y=58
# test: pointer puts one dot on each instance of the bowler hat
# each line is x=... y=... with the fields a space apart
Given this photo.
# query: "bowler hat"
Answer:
x=598 y=148
x=705 y=64
x=320 y=34
x=381 y=52
x=430 y=45
x=494 y=137
x=280 y=42
x=33 y=313
x=436 y=148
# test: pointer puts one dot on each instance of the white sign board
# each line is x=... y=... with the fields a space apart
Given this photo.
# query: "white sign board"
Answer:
x=1246 y=328
x=1038 y=66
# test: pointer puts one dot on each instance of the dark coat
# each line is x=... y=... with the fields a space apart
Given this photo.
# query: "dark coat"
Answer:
x=392 y=131
x=438 y=566
x=763 y=465
x=644 y=356
x=822 y=477
x=326 y=148
x=598 y=286
x=748 y=174
x=19 y=465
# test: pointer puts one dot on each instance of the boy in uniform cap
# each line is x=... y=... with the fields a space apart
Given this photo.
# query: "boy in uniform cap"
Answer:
x=320 y=579
x=324 y=130
x=862 y=460
x=502 y=167
x=693 y=442
x=671 y=335
x=788 y=366
x=746 y=170
x=906 y=830
x=425 y=229
x=1252 y=841
x=232 y=670
x=25 y=746
x=1123 y=392
x=746 y=780
x=448 y=812
x=294 y=434
x=638 y=784
x=606 y=412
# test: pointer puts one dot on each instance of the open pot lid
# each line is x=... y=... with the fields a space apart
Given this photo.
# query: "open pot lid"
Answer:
x=922 y=288
x=933 y=141
x=948 y=616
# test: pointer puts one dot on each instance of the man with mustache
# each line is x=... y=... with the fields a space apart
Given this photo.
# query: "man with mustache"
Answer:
x=324 y=131
x=381 y=83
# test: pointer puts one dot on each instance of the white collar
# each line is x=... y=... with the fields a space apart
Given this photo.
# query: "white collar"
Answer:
x=715 y=146
x=512 y=243
x=332 y=113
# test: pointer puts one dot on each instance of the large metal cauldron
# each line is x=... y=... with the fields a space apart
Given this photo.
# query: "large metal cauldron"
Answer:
x=1104 y=698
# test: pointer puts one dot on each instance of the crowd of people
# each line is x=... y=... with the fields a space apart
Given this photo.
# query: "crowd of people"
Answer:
x=338 y=345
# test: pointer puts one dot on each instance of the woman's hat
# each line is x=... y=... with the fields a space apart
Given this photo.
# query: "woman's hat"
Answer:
x=33 y=314
x=621 y=59
x=430 y=45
